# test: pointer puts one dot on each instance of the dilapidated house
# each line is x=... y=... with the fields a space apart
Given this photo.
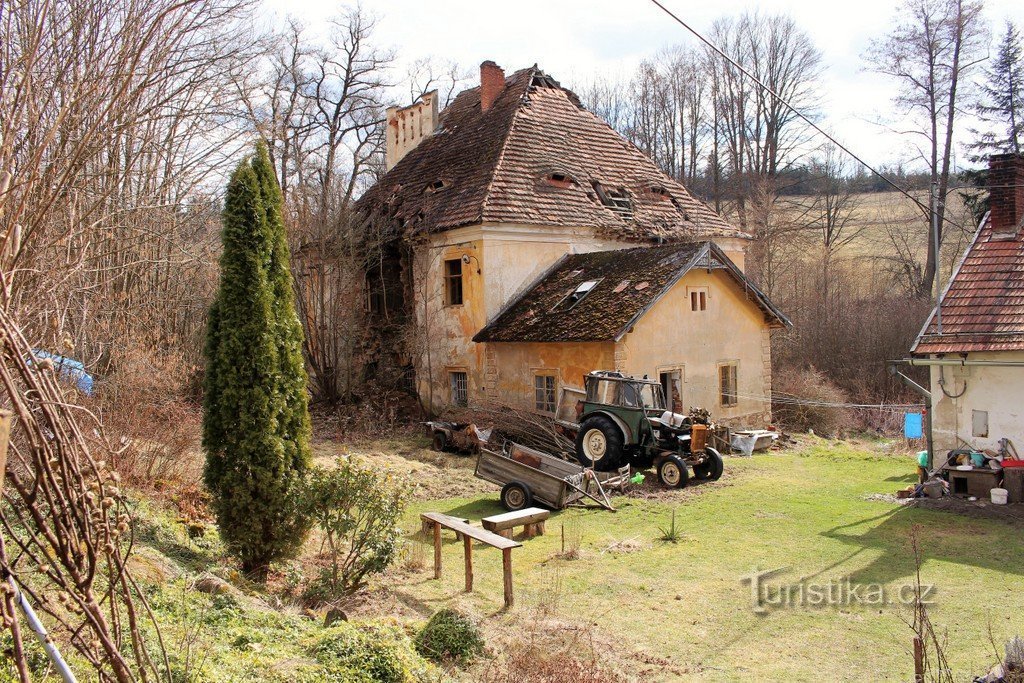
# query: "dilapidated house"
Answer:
x=974 y=340
x=542 y=246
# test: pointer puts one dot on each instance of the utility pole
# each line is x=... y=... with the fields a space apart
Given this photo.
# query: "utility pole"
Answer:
x=935 y=245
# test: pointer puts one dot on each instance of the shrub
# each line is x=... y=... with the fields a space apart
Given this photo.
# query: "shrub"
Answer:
x=450 y=636
x=802 y=400
x=357 y=509
x=256 y=425
x=370 y=654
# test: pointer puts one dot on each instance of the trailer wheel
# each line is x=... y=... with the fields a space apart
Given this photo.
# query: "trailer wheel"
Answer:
x=672 y=472
x=599 y=443
x=516 y=495
x=712 y=467
x=440 y=442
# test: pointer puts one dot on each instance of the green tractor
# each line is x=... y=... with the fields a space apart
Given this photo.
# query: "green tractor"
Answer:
x=624 y=420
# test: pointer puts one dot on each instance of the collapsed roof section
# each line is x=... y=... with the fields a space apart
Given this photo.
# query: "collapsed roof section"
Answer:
x=535 y=156
x=600 y=296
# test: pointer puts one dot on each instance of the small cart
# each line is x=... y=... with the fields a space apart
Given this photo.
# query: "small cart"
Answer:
x=528 y=476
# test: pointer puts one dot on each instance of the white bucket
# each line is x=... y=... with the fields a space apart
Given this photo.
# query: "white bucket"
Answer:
x=999 y=496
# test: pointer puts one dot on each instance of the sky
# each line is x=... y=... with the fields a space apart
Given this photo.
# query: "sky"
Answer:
x=577 y=40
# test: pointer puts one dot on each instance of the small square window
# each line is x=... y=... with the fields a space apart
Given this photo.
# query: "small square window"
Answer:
x=453 y=282
x=544 y=393
x=460 y=388
x=699 y=299
x=727 y=377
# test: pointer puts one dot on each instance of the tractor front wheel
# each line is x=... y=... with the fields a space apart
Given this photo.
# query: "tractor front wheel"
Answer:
x=712 y=467
x=672 y=472
x=599 y=443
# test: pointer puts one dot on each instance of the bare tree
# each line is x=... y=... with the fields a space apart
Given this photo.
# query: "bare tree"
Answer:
x=933 y=47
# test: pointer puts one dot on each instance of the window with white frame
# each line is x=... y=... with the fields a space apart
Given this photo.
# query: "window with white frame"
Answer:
x=544 y=392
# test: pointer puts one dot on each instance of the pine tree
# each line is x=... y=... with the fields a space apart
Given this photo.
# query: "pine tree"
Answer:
x=256 y=426
x=1002 y=98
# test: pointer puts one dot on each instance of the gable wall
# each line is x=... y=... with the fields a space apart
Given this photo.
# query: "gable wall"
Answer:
x=730 y=330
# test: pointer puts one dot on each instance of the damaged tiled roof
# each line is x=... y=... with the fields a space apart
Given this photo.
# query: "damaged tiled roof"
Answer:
x=983 y=306
x=617 y=288
x=536 y=157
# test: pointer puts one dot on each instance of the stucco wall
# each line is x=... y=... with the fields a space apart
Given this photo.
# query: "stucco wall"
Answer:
x=512 y=367
x=730 y=330
x=997 y=390
x=510 y=258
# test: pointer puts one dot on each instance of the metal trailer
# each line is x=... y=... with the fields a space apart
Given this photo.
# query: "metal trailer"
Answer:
x=528 y=476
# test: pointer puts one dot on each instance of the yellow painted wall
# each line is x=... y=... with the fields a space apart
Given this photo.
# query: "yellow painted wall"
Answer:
x=515 y=365
x=731 y=329
x=509 y=259
x=997 y=390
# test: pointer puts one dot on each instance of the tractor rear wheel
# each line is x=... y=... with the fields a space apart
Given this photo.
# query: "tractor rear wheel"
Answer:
x=712 y=467
x=599 y=443
x=672 y=472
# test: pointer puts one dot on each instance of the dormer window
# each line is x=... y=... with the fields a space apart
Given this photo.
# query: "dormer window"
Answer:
x=617 y=200
x=575 y=296
x=560 y=180
x=437 y=186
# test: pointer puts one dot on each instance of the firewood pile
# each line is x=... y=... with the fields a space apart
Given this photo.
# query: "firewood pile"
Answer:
x=525 y=427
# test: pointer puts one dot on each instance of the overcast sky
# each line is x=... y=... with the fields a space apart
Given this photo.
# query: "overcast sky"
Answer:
x=576 y=40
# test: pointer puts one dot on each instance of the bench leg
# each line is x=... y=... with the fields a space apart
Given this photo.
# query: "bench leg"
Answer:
x=437 y=550
x=506 y=566
x=467 y=544
x=528 y=531
x=507 y=533
x=539 y=528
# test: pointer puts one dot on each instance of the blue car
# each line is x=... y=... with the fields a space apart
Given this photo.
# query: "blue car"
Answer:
x=68 y=369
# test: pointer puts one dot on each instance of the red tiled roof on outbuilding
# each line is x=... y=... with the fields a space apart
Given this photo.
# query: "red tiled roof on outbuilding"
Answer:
x=983 y=306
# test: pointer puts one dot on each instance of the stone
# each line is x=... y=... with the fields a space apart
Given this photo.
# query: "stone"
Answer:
x=334 y=616
x=208 y=583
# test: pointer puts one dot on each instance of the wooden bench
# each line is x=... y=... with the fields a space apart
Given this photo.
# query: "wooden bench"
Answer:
x=469 y=534
x=532 y=519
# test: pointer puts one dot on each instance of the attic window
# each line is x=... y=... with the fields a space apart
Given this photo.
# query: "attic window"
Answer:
x=437 y=186
x=616 y=200
x=575 y=296
x=561 y=180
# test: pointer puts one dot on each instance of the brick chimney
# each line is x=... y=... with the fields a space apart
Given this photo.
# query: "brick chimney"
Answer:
x=492 y=82
x=408 y=126
x=1006 y=195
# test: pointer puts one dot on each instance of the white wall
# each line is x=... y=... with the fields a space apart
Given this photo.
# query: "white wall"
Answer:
x=999 y=391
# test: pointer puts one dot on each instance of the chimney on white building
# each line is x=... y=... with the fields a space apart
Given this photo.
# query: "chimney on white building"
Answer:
x=408 y=126
x=492 y=82
x=1006 y=195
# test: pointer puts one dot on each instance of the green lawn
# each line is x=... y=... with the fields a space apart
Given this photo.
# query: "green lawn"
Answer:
x=679 y=611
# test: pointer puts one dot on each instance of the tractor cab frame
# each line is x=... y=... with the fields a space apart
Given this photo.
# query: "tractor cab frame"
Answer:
x=623 y=419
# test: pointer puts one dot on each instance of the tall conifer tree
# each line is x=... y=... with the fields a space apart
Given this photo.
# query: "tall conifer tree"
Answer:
x=256 y=426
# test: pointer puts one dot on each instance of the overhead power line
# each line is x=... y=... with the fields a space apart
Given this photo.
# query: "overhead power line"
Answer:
x=796 y=111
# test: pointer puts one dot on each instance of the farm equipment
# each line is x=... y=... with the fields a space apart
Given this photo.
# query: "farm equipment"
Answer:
x=527 y=476
x=456 y=437
x=624 y=420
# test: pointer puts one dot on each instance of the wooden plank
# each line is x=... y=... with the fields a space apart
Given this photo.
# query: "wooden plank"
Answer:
x=506 y=570
x=477 y=533
x=467 y=545
x=514 y=519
